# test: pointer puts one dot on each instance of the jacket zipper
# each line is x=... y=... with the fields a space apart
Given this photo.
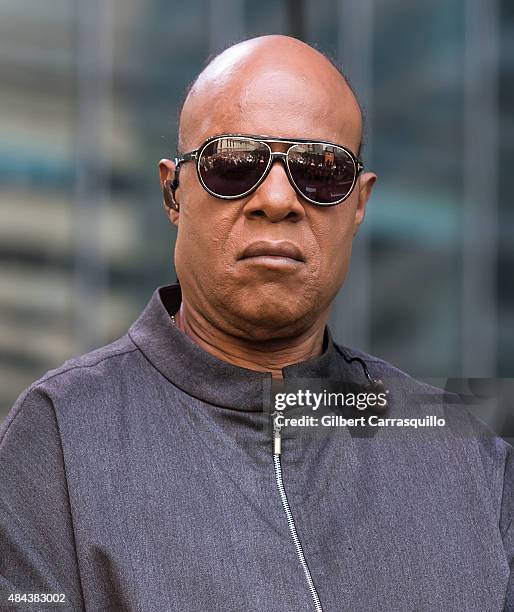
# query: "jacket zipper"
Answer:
x=277 y=450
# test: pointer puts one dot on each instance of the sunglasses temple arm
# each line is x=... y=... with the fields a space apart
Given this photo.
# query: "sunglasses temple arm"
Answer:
x=180 y=160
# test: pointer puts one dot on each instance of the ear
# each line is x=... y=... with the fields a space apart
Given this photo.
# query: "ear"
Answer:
x=365 y=186
x=166 y=175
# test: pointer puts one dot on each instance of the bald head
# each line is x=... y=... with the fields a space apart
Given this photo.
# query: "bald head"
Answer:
x=270 y=75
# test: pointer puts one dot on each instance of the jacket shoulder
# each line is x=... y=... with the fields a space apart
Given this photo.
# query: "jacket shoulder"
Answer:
x=96 y=372
x=98 y=356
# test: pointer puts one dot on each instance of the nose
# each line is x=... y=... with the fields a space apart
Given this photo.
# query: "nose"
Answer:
x=275 y=198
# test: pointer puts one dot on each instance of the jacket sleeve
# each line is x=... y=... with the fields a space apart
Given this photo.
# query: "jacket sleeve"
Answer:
x=37 y=545
x=507 y=524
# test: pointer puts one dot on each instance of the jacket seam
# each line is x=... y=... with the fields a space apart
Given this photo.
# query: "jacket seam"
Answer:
x=77 y=367
x=36 y=385
x=507 y=457
x=68 y=497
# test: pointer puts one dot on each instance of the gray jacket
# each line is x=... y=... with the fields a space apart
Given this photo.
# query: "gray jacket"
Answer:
x=140 y=477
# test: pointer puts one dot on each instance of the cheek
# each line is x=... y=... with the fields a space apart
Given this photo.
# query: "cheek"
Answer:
x=202 y=236
x=334 y=237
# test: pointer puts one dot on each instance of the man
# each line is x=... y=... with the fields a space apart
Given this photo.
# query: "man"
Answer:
x=143 y=475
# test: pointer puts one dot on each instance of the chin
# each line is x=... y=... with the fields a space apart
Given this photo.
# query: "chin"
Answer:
x=265 y=320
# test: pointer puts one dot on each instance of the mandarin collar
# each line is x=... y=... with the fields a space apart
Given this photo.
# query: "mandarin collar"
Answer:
x=204 y=376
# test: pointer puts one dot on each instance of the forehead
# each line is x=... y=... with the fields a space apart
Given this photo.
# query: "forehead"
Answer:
x=274 y=101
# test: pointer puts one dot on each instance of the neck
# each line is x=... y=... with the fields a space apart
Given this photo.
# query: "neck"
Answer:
x=262 y=355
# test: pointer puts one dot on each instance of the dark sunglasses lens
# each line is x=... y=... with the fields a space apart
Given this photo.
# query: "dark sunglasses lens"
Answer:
x=230 y=167
x=322 y=173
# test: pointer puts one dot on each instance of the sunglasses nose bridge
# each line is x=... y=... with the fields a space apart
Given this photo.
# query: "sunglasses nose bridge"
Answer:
x=278 y=156
x=281 y=156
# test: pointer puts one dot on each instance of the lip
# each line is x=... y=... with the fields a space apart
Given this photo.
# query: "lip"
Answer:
x=265 y=248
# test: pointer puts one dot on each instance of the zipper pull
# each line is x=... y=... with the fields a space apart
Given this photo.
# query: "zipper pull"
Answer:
x=276 y=433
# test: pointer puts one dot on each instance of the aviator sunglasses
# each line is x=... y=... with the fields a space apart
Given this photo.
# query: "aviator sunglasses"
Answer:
x=231 y=166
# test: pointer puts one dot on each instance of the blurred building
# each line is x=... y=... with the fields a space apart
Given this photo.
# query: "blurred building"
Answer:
x=89 y=100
